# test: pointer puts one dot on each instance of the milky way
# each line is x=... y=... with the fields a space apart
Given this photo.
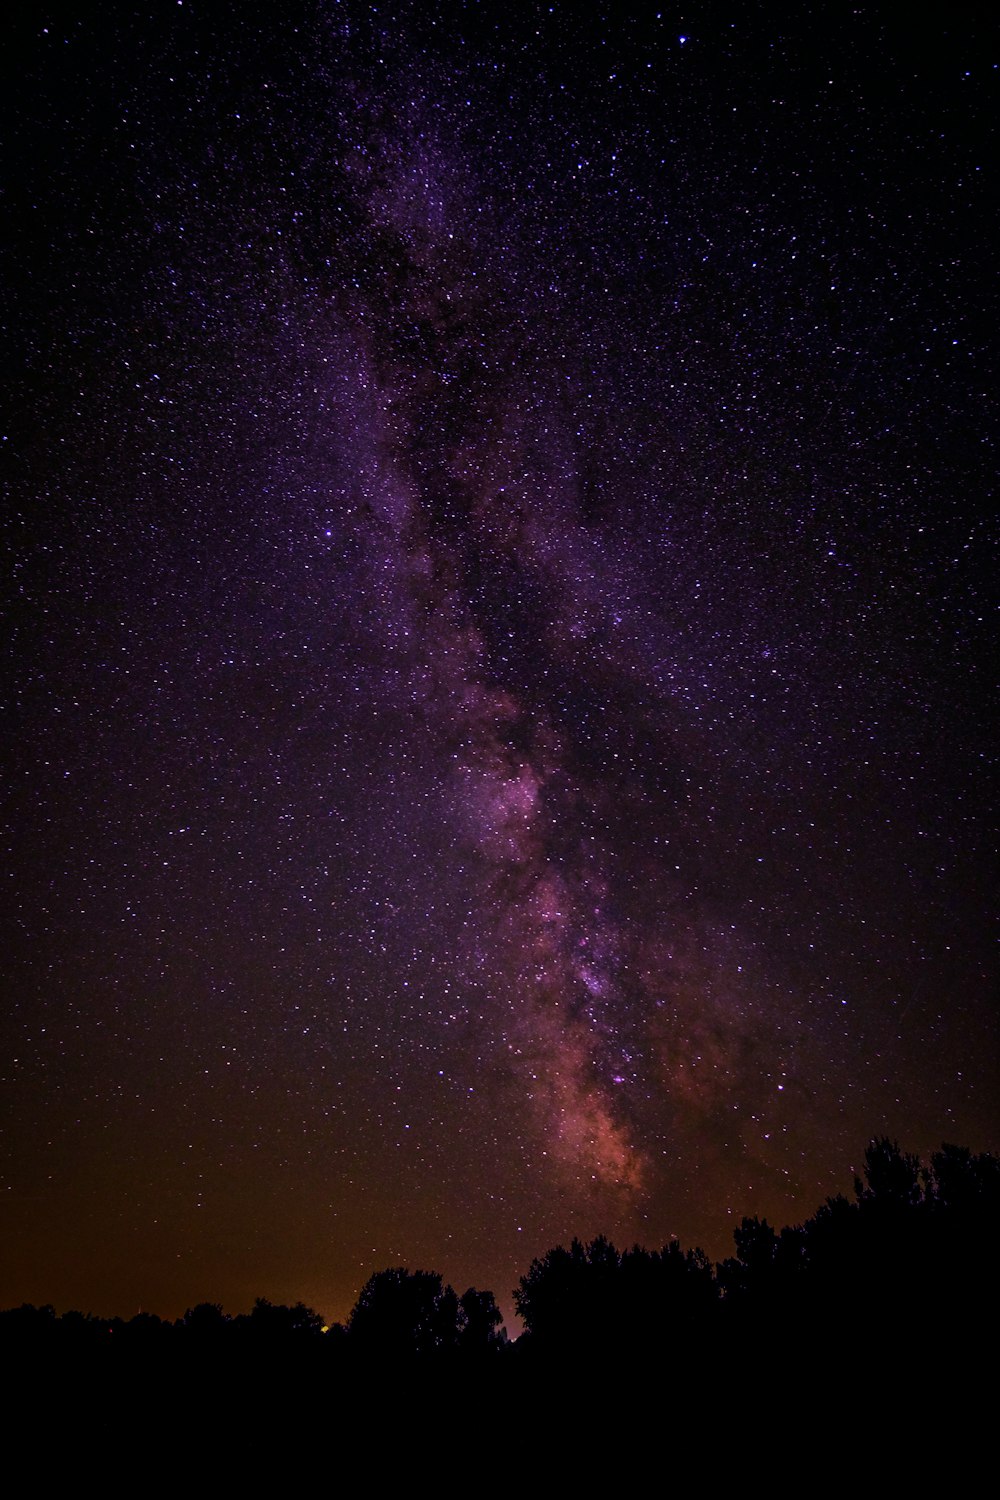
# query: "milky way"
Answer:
x=499 y=663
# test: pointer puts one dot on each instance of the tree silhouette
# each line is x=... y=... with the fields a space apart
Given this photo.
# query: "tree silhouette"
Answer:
x=593 y=1297
x=962 y=1184
x=271 y=1321
x=551 y=1297
x=403 y=1314
x=480 y=1324
x=206 y=1321
x=892 y=1176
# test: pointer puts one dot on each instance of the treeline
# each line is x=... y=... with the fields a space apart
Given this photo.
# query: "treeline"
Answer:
x=907 y=1263
x=400 y=1314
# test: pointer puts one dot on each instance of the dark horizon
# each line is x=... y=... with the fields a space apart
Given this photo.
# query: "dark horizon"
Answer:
x=499 y=685
x=911 y=1236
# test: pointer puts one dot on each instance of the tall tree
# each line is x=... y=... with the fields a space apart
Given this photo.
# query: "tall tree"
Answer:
x=403 y=1314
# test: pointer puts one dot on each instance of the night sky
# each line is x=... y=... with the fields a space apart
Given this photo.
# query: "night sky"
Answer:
x=499 y=646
